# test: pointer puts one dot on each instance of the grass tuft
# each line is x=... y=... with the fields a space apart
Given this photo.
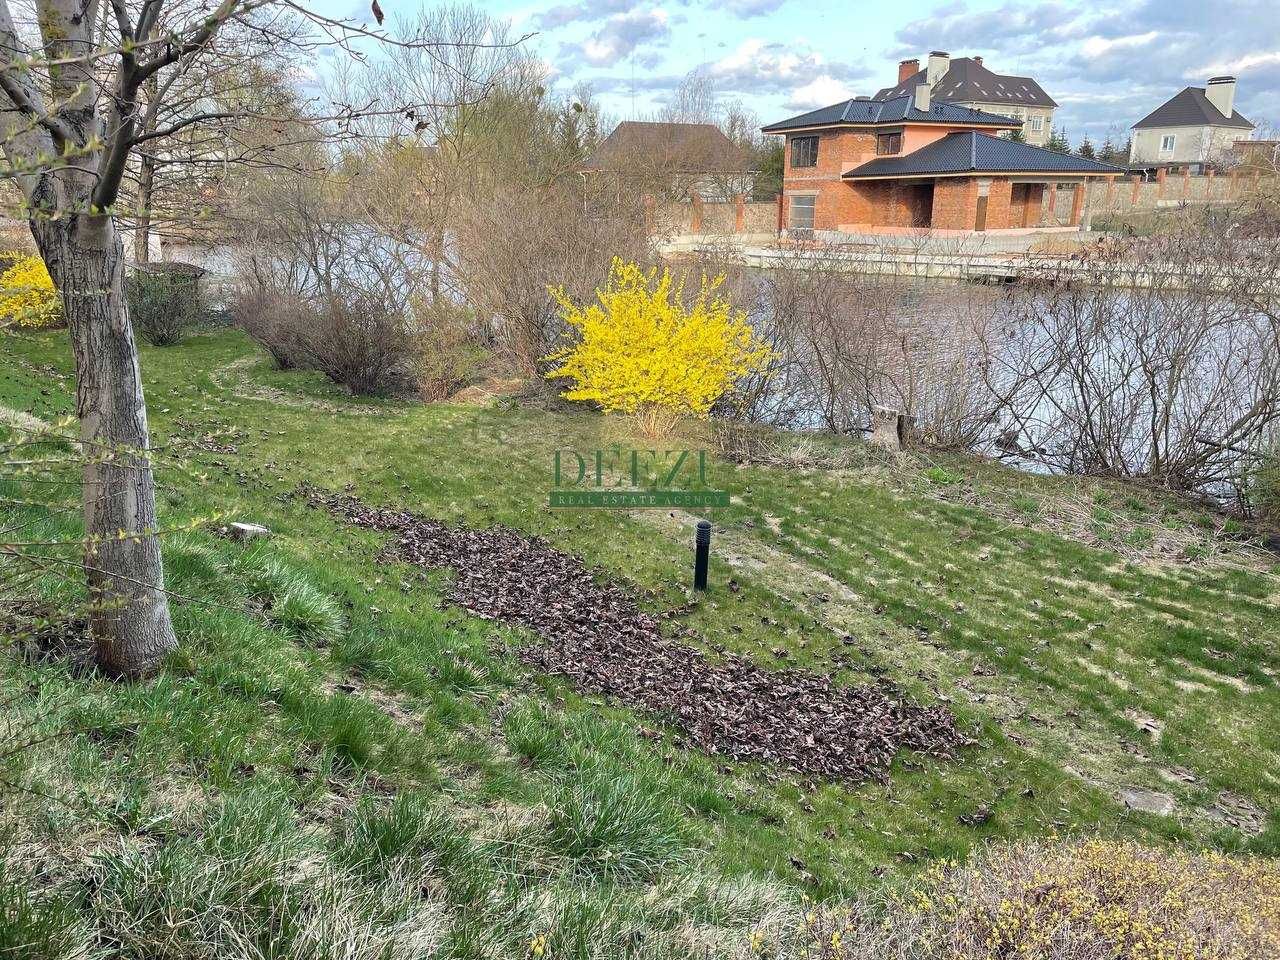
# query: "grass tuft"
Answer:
x=613 y=824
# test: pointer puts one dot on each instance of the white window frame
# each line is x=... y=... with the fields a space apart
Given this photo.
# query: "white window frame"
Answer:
x=1037 y=124
x=808 y=201
x=1168 y=138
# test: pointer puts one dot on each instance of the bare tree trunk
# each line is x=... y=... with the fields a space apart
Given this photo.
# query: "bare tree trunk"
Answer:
x=142 y=226
x=130 y=621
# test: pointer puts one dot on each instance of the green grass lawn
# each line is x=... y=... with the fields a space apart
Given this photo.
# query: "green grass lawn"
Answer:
x=336 y=756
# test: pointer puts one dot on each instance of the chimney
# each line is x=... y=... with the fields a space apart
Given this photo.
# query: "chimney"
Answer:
x=939 y=64
x=907 y=69
x=921 y=99
x=1221 y=92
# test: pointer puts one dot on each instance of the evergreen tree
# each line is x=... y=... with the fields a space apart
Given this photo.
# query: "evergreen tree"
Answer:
x=1107 y=152
x=1058 y=141
x=1086 y=148
x=1017 y=136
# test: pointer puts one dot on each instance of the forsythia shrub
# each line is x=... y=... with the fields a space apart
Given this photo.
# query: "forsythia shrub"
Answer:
x=28 y=298
x=642 y=352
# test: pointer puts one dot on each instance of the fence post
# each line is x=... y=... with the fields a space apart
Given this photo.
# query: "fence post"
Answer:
x=739 y=213
x=1135 y=193
x=1231 y=184
x=696 y=225
x=1161 y=175
x=1208 y=184
x=1077 y=202
x=1186 y=183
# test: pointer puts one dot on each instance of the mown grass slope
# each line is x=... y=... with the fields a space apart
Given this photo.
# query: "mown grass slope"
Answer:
x=335 y=756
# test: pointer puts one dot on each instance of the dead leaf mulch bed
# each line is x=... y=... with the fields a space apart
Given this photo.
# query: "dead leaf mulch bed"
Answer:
x=592 y=633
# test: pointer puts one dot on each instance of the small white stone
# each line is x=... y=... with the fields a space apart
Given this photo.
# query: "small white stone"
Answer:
x=248 y=531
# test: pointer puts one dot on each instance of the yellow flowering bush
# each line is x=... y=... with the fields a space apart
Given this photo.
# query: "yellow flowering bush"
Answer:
x=28 y=298
x=641 y=351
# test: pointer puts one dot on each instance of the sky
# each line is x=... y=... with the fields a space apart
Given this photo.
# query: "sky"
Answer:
x=1106 y=65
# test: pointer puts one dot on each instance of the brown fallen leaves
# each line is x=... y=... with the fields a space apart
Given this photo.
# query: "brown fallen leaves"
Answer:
x=591 y=632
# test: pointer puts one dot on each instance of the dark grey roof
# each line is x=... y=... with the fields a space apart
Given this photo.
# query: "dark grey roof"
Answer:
x=896 y=110
x=967 y=80
x=1191 y=108
x=969 y=151
x=682 y=147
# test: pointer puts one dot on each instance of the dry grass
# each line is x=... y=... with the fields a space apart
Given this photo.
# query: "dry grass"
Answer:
x=1057 y=900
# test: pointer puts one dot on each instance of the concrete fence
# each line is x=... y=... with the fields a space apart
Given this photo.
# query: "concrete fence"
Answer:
x=740 y=216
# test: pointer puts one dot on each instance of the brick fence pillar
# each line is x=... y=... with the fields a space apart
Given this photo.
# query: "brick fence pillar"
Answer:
x=1034 y=206
x=1111 y=191
x=1231 y=184
x=1077 y=203
x=999 y=204
x=650 y=205
x=1135 y=193
x=1161 y=175
x=1186 y=183
x=1208 y=184
x=696 y=225
x=782 y=213
x=739 y=213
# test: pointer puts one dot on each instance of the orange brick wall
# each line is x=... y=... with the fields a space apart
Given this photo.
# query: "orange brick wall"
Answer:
x=837 y=203
x=955 y=203
x=999 y=199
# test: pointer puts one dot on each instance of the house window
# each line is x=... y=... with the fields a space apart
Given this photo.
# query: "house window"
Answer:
x=1167 y=142
x=800 y=213
x=888 y=143
x=804 y=151
x=1037 y=124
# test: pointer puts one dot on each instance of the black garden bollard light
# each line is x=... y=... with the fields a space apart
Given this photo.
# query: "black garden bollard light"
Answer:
x=701 y=555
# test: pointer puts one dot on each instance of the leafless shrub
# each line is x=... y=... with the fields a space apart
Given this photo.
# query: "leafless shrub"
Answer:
x=1155 y=357
x=847 y=342
x=518 y=241
x=274 y=318
x=449 y=351
x=358 y=340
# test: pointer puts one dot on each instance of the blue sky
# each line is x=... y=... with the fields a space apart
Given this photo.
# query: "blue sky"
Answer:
x=1106 y=65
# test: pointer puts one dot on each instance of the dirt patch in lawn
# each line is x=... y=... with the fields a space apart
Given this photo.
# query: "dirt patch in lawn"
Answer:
x=590 y=631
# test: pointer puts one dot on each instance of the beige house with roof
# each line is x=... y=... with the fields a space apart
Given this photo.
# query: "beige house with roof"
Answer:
x=1195 y=129
x=966 y=82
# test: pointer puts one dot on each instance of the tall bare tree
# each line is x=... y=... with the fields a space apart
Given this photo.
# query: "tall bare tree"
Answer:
x=84 y=85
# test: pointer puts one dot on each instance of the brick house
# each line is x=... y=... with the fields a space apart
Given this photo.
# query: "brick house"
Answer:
x=966 y=82
x=905 y=164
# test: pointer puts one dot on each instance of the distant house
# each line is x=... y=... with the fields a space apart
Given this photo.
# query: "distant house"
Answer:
x=1194 y=129
x=965 y=82
x=673 y=160
x=907 y=163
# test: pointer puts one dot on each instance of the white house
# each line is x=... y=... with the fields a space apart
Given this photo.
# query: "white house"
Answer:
x=1196 y=128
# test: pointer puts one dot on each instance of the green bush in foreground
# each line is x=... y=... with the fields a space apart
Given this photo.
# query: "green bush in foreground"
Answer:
x=164 y=302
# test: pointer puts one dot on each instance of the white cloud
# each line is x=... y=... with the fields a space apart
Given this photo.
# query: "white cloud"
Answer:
x=624 y=32
x=1240 y=65
x=819 y=92
x=761 y=66
x=1096 y=46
